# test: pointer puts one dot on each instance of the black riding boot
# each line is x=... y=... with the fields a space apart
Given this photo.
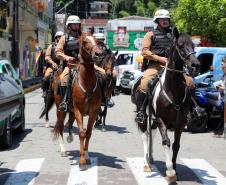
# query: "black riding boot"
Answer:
x=141 y=107
x=63 y=107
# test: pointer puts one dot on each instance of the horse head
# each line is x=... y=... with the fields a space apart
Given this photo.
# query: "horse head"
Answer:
x=89 y=49
x=109 y=62
x=182 y=53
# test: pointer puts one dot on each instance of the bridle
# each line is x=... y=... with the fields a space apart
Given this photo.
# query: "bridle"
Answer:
x=184 y=59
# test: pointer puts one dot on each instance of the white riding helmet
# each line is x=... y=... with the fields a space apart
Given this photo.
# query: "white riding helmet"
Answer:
x=161 y=13
x=99 y=36
x=59 y=33
x=73 y=19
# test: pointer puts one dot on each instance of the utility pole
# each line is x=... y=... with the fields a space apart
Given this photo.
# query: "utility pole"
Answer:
x=53 y=21
x=15 y=57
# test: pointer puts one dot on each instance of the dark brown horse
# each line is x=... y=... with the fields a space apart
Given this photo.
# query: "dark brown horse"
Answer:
x=170 y=104
x=107 y=86
x=86 y=96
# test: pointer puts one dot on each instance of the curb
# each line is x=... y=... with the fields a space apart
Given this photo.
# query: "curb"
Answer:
x=32 y=88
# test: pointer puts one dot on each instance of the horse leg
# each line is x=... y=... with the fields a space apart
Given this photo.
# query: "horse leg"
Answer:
x=82 y=135
x=99 y=117
x=176 y=146
x=92 y=118
x=69 y=126
x=104 y=114
x=170 y=172
x=152 y=132
x=144 y=136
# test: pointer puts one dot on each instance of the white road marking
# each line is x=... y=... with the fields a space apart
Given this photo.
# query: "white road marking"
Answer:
x=153 y=178
x=88 y=177
x=25 y=172
x=205 y=172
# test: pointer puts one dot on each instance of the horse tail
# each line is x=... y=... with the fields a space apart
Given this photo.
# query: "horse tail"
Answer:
x=46 y=108
x=59 y=127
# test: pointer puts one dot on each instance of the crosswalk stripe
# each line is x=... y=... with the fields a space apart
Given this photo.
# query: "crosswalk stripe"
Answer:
x=25 y=172
x=153 y=178
x=88 y=177
x=205 y=172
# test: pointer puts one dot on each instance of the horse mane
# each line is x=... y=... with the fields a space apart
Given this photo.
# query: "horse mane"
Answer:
x=185 y=38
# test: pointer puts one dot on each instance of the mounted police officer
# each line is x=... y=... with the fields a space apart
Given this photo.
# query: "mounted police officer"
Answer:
x=68 y=50
x=155 y=48
x=52 y=61
x=98 y=65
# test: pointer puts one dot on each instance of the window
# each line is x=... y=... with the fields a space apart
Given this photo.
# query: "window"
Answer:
x=10 y=73
x=206 y=60
x=125 y=59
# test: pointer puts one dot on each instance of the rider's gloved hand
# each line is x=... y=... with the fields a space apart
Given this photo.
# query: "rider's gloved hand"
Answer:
x=54 y=65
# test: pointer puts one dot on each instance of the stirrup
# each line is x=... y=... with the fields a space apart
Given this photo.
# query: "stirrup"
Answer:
x=63 y=107
x=140 y=117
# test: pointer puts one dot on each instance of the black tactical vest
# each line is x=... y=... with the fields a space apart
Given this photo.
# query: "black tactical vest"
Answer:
x=53 y=54
x=71 y=47
x=161 y=42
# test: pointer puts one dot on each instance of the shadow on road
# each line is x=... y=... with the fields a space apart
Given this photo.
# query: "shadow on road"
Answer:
x=103 y=160
x=113 y=128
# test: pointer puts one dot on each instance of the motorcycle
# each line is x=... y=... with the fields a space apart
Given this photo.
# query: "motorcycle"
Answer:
x=208 y=97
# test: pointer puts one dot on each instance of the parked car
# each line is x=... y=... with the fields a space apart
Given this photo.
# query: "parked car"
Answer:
x=126 y=61
x=127 y=80
x=12 y=104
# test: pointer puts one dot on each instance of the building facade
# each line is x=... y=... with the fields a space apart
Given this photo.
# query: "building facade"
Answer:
x=34 y=22
x=6 y=24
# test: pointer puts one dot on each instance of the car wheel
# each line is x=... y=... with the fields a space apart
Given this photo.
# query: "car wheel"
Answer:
x=21 y=128
x=6 y=137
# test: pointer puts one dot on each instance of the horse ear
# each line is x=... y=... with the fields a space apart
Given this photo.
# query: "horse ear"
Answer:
x=176 y=33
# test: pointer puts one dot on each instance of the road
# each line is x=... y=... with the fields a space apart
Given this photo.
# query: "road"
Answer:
x=34 y=158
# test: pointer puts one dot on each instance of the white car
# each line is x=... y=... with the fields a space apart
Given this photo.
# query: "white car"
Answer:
x=128 y=79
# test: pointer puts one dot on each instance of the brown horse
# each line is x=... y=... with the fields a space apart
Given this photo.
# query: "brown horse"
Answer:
x=107 y=86
x=169 y=105
x=86 y=96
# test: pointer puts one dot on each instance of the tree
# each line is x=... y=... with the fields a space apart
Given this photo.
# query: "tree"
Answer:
x=168 y=4
x=123 y=13
x=202 y=17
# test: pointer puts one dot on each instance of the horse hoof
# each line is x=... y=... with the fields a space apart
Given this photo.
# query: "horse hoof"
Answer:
x=47 y=125
x=147 y=169
x=82 y=167
x=88 y=161
x=69 y=138
x=171 y=179
x=64 y=154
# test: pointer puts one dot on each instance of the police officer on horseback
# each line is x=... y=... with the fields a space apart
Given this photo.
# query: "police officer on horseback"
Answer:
x=52 y=62
x=154 y=50
x=67 y=50
x=98 y=65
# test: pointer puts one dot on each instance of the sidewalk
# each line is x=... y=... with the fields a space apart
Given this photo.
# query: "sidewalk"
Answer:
x=32 y=88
